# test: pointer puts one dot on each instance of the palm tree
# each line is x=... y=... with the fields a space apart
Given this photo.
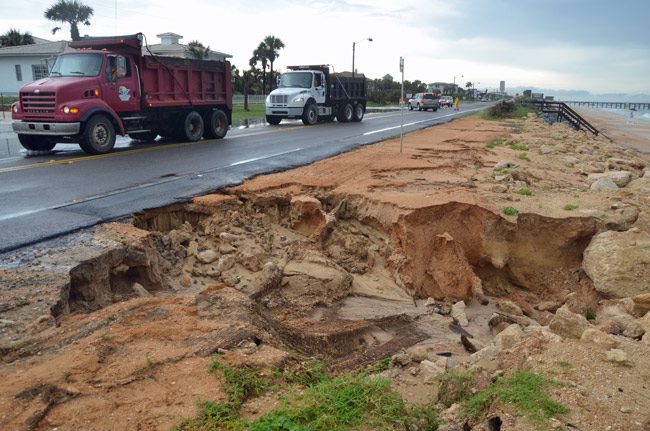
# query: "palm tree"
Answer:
x=15 y=38
x=260 y=54
x=72 y=12
x=273 y=45
x=197 y=50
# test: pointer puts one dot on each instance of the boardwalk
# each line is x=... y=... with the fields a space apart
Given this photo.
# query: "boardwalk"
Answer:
x=637 y=106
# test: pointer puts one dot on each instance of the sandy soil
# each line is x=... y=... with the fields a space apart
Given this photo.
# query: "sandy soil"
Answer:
x=350 y=259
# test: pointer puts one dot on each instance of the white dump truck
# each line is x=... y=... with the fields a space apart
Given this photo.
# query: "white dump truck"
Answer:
x=313 y=94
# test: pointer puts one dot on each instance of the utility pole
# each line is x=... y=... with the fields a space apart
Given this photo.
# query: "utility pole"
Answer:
x=401 y=105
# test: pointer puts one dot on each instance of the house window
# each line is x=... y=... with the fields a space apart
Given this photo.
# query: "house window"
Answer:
x=19 y=73
x=39 y=71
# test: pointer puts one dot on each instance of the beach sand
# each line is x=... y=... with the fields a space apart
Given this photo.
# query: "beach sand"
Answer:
x=625 y=131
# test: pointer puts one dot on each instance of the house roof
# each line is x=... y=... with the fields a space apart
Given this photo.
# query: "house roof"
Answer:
x=169 y=34
x=36 y=49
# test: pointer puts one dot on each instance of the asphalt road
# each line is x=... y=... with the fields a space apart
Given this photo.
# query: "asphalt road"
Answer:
x=44 y=196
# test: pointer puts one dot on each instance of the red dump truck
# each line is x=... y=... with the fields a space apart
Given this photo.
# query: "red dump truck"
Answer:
x=105 y=86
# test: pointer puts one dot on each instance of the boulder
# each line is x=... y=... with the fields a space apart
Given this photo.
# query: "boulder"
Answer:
x=595 y=336
x=640 y=186
x=620 y=178
x=507 y=338
x=617 y=356
x=634 y=330
x=618 y=263
x=509 y=307
x=602 y=184
x=207 y=256
x=458 y=313
x=568 y=324
x=429 y=371
x=641 y=304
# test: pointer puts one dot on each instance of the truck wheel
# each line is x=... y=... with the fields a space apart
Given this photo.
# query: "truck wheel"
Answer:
x=216 y=125
x=358 y=112
x=419 y=107
x=191 y=128
x=144 y=136
x=435 y=109
x=410 y=107
x=36 y=143
x=274 y=120
x=345 y=114
x=310 y=115
x=99 y=135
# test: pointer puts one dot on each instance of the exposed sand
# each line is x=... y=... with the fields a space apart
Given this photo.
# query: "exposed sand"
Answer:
x=628 y=132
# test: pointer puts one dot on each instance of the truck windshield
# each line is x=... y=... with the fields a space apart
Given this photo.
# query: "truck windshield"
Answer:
x=296 y=79
x=77 y=65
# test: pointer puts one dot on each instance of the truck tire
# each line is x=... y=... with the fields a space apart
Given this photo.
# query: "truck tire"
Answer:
x=345 y=114
x=144 y=136
x=191 y=127
x=36 y=143
x=310 y=115
x=419 y=107
x=435 y=109
x=410 y=107
x=358 y=113
x=216 y=125
x=98 y=136
x=273 y=120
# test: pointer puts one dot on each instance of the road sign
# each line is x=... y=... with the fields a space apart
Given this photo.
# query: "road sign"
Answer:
x=401 y=64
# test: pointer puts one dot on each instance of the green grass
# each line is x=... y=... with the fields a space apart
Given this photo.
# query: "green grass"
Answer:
x=563 y=364
x=350 y=401
x=519 y=146
x=255 y=111
x=455 y=386
x=239 y=383
x=526 y=391
x=569 y=207
x=510 y=211
x=495 y=143
x=524 y=192
x=590 y=314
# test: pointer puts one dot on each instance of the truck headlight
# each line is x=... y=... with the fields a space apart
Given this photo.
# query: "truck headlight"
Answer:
x=66 y=110
x=299 y=99
x=14 y=108
x=69 y=110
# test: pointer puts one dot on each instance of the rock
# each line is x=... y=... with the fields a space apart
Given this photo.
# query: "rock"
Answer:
x=640 y=186
x=207 y=256
x=546 y=149
x=429 y=371
x=140 y=290
x=570 y=161
x=401 y=359
x=507 y=338
x=458 y=313
x=501 y=165
x=227 y=236
x=568 y=324
x=548 y=306
x=634 y=330
x=509 y=307
x=499 y=178
x=186 y=281
x=618 y=263
x=646 y=338
x=499 y=188
x=615 y=313
x=592 y=335
x=488 y=353
x=617 y=356
x=418 y=354
x=225 y=263
x=603 y=184
x=626 y=409
x=227 y=249
x=6 y=322
x=641 y=304
x=620 y=178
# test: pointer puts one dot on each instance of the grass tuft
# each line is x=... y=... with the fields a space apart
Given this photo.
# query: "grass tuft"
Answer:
x=590 y=314
x=455 y=386
x=524 y=192
x=569 y=207
x=518 y=146
x=510 y=211
x=527 y=391
x=495 y=143
x=240 y=383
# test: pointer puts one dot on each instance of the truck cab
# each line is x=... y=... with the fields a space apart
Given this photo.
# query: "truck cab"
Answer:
x=311 y=93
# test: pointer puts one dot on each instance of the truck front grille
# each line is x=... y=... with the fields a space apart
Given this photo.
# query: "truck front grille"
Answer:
x=279 y=98
x=38 y=105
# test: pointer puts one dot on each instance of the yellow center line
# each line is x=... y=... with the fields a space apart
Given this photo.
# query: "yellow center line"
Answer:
x=73 y=160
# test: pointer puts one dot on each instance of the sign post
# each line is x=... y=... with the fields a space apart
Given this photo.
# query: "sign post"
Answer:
x=401 y=105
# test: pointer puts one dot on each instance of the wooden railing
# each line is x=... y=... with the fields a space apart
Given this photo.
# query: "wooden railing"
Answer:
x=563 y=111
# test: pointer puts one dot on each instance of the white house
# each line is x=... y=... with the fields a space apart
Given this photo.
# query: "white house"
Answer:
x=23 y=64
x=169 y=46
x=20 y=65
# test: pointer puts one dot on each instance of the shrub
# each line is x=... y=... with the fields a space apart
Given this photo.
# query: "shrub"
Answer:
x=524 y=192
x=570 y=207
x=510 y=211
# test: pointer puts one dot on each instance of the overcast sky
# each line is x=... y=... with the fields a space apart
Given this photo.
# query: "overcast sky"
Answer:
x=601 y=46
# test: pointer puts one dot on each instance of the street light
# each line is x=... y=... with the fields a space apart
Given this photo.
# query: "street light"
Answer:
x=354 y=44
x=455 y=83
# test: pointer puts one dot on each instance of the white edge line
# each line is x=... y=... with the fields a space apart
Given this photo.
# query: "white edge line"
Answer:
x=242 y=162
x=422 y=121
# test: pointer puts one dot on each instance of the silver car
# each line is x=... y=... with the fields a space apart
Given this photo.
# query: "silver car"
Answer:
x=424 y=101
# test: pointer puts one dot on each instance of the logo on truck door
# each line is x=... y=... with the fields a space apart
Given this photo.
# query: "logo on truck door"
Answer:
x=124 y=93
